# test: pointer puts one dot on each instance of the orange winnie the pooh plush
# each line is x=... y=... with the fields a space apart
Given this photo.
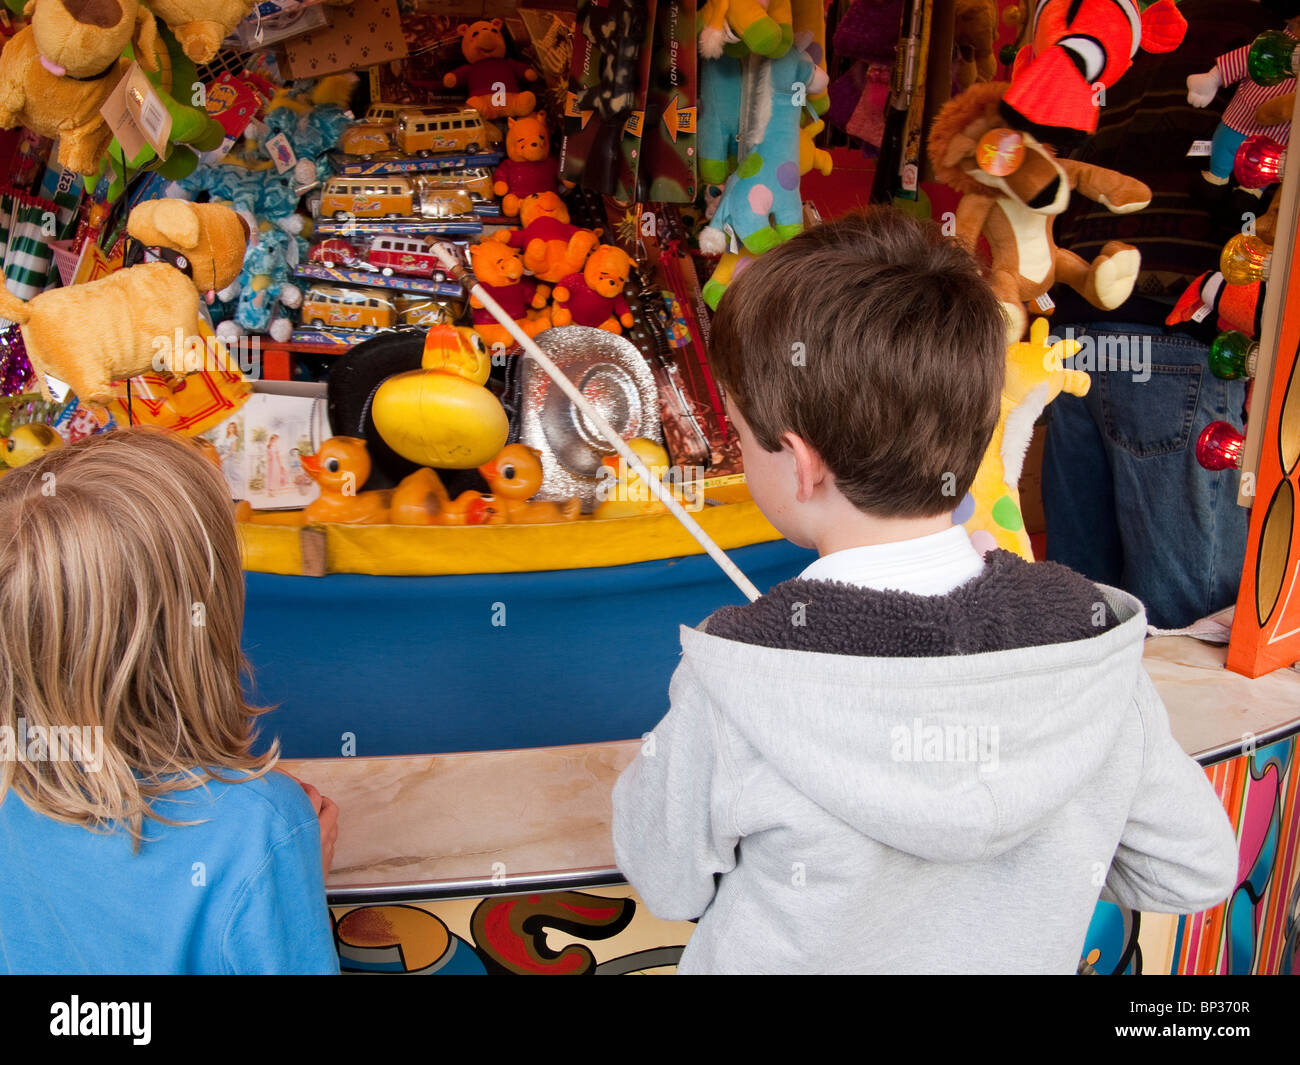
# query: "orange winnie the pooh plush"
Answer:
x=595 y=296
x=530 y=167
x=500 y=271
x=492 y=79
x=553 y=248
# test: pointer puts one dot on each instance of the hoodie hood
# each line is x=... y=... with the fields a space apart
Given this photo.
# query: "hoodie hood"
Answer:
x=949 y=727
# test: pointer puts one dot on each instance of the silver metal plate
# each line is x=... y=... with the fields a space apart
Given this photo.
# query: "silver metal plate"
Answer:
x=614 y=377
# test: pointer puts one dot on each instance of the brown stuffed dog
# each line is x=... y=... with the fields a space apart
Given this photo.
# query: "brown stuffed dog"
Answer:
x=133 y=320
x=56 y=73
x=1014 y=211
x=199 y=25
x=210 y=239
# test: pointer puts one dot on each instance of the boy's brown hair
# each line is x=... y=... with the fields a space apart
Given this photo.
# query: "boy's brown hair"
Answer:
x=874 y=339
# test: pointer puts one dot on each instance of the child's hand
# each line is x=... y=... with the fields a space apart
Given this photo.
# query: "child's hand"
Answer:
x=327 y=812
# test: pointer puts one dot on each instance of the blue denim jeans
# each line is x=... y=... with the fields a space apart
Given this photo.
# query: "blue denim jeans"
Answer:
x=1126 y=502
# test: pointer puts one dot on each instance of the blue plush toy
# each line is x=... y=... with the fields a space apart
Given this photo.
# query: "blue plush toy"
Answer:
x=760 y=205
x=310 y=119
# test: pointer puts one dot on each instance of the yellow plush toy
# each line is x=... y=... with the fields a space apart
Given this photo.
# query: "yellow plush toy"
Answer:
x=201 y=25
x=56 y=74
x=134 y=320
x=1035 y=376
x=210 y=238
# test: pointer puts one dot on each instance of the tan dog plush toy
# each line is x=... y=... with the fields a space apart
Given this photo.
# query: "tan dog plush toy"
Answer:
x=200 y=25
x=56 y=73
x=208 y=239
x=134 y=320
x=1013 y=187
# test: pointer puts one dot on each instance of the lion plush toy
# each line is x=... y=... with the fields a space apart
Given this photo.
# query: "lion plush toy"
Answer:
x=493 y=80
x=1013 y=186
x=134 y=320
x=56 y=74
x=499 y=269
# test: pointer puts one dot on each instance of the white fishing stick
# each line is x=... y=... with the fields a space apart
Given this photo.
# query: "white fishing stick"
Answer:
x=457 y=269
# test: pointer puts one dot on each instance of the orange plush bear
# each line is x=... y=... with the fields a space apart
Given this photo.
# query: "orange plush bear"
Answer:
x=531 y=167
x=492 y=79
x=552 y=247
x=500 y=271
x=595 y=296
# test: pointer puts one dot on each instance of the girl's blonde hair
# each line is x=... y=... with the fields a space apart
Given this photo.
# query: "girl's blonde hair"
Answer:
x=121 y=605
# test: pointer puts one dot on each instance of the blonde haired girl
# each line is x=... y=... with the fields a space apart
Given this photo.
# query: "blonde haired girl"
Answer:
x=138 y=830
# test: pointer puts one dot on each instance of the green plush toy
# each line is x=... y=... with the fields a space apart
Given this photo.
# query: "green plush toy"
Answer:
x=192 y=132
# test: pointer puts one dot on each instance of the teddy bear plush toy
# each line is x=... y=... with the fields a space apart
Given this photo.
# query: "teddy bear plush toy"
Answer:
x=492 y=79
x=553 y=247
x=1013 y=187
x=57 y=72
x=595 y=296
x=499 y=269
x=529 y=168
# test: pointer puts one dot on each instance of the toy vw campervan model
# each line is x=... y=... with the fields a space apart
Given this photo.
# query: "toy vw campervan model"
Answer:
x=328 y=307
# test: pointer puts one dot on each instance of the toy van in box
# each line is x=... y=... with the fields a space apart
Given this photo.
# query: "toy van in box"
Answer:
x=335 y=252
x=367 y=139
x=422 y=133
x=423 y=311
x=330 y=307
x=404 y=255
x=376 y=196
x=476 y=180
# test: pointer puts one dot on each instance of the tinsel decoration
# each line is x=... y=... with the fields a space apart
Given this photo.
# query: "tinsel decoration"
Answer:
x=15 y=367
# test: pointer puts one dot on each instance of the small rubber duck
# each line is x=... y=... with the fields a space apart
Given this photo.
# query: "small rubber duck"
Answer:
x=627 y=496
x=514 y=476
x=27 y=443
x=422 y=499
x=341 y=467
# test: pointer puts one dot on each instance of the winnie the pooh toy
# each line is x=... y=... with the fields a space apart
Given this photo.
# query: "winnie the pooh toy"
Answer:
x=530 y=167
x=500 y=271
x=492 y=79
x=595 y=296
x=553 y=248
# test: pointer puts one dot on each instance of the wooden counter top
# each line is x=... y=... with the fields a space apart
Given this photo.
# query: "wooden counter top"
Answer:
x=502 y=817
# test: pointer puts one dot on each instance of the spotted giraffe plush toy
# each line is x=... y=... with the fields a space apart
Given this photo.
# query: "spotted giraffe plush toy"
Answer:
x=1036 y=375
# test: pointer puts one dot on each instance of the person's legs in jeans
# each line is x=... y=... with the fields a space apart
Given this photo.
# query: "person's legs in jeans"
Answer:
x=1181 y=536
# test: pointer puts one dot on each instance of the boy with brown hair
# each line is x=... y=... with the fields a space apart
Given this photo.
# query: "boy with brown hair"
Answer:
x=910 y=758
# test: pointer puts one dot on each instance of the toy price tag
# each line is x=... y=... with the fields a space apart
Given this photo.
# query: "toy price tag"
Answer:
x=1202 y=312
x=136 y=115
x=1000 y=152
x=281 y=153
x=1199 y=149
x=1044 y=303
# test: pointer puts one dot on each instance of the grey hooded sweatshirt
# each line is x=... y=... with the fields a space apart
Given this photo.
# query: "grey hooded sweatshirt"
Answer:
x=852 y=781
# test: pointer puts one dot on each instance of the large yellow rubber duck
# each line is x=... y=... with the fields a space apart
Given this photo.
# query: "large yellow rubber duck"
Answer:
x=441 y=415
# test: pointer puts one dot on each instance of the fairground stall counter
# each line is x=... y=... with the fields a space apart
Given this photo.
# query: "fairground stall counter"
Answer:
x=471 y=728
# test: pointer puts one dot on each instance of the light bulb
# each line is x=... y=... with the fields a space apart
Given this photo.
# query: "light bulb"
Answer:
x=1245 y=260
x=1233 y=355
x=1272 y=58
x=1219 y=446
x=1259 y=162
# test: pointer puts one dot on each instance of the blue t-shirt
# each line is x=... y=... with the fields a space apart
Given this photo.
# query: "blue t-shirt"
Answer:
x=242 y=892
